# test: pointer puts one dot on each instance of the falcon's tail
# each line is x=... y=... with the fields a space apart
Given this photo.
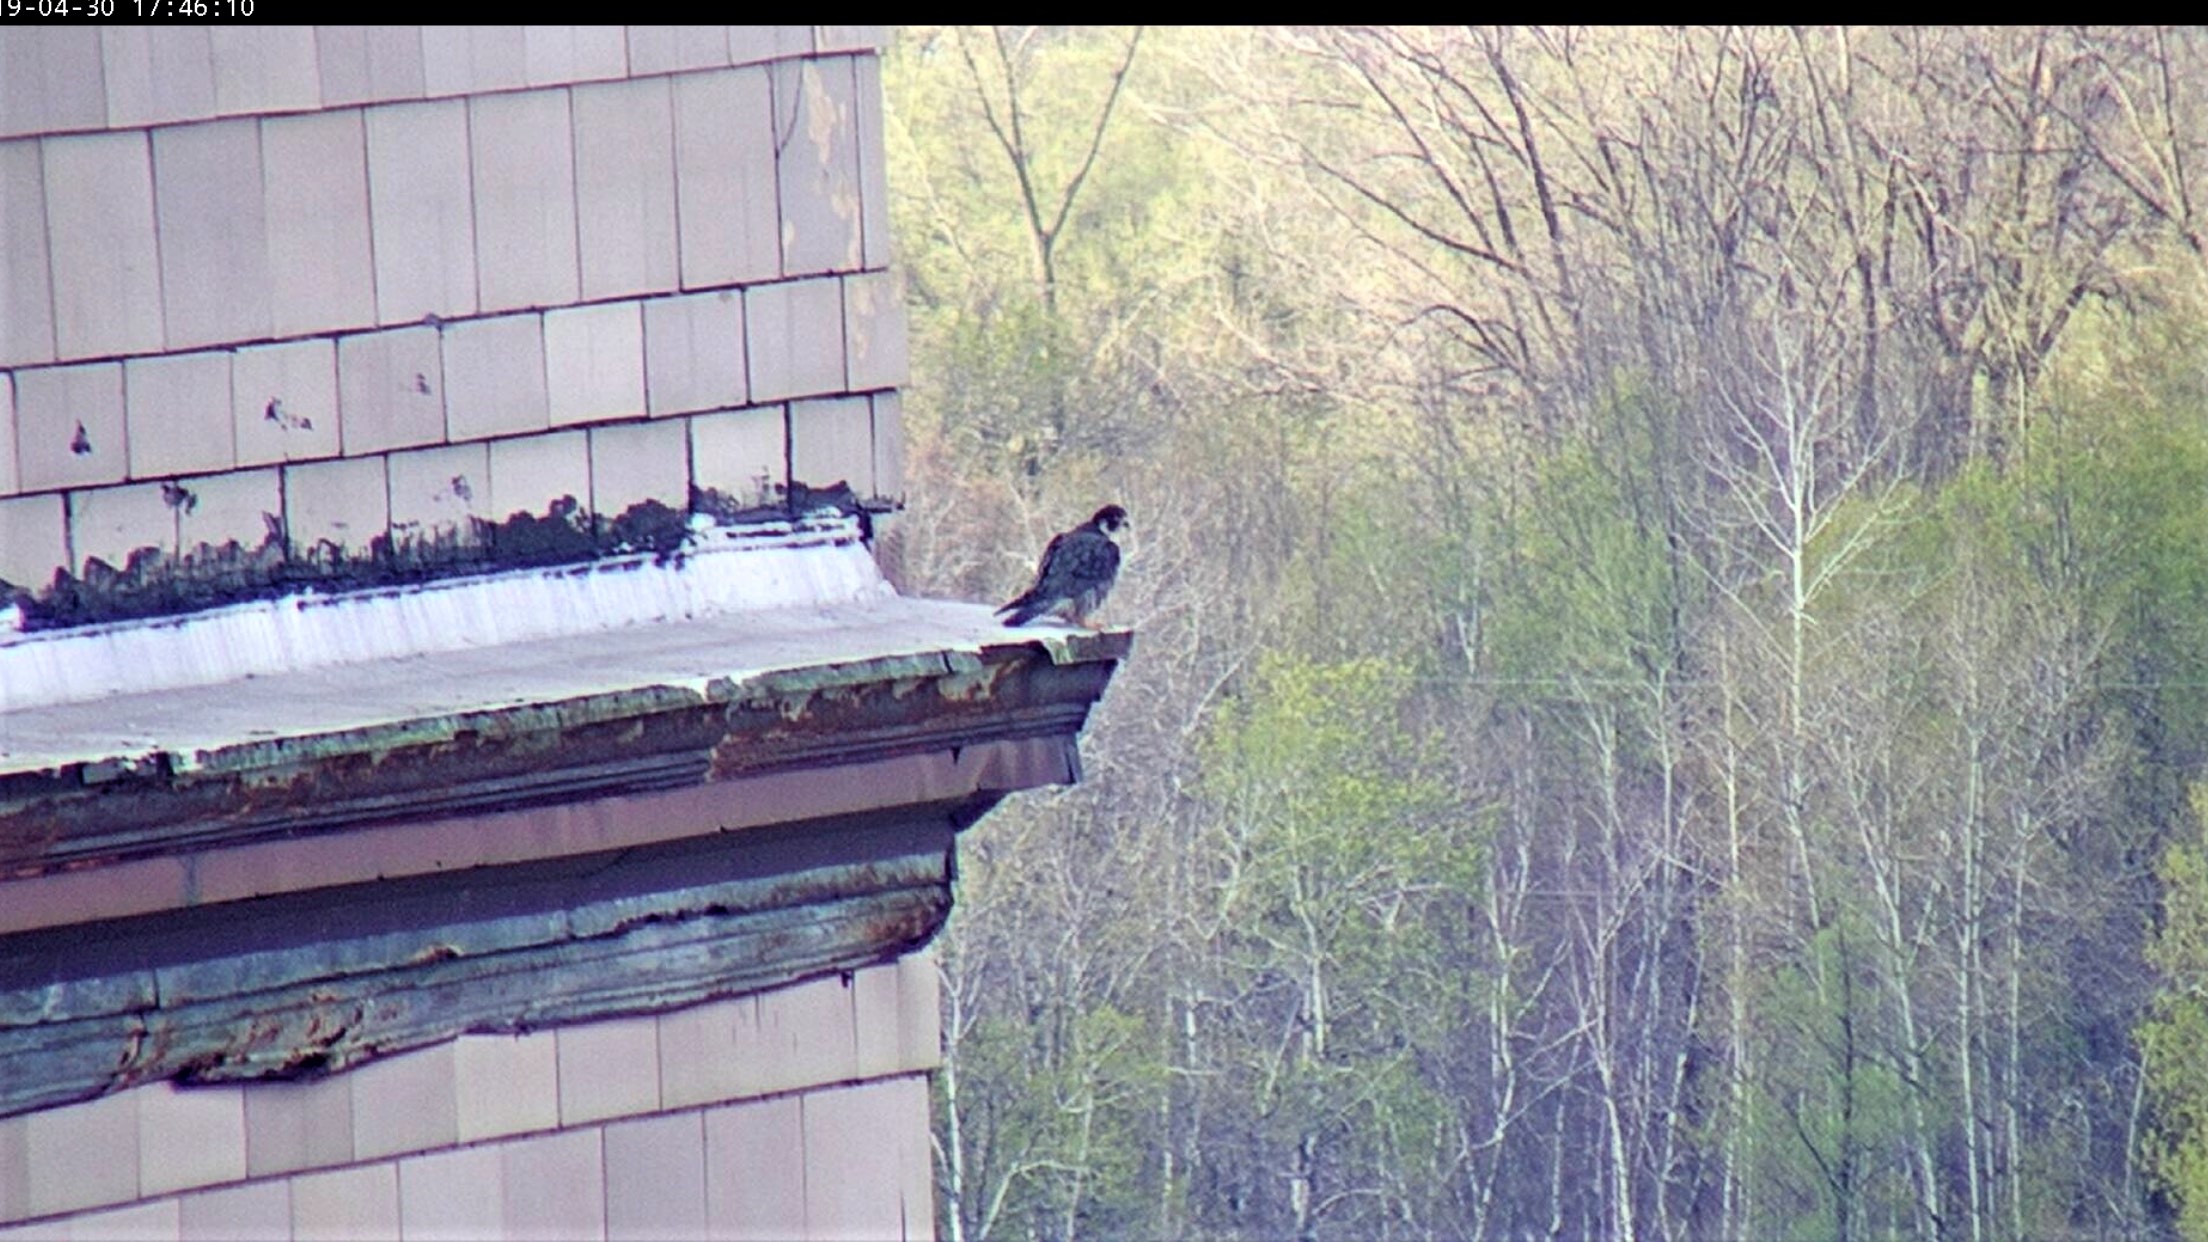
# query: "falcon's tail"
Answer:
x=1021 y=611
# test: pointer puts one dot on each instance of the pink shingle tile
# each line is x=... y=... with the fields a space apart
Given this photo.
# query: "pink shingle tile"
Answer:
x=183 y=70
x=694 y=352
x=608 y=1068
x=106 y=266
x=730 y=215
x=909 y=1118
x=306 y=1124
x=751 y=44
x=878 y=1020
x=507 y=1084
x=494 y=377
x=852 y=1175
x=671 y=49
x=557 y=55
x=15 y=1163
x=83 y=1155
x=524 y=158
x=213 y=228
x=806 y=1035
x=391 y=390
x=452 y=1194
x=315 y=180
x=850 y=38
x=594 y=362
x=69 y=426
x=177 y=414
x=793 y=343
x=875 y=330
x=265 y=69
x=50 y=79
x=252 y=1212
x=461 y=59
x=920 y=1003
x=529 y=473
x=33 y=540
x=655 y=1177
x=743 y=454
x=634 y=462
x=832 y=440
x=874 y=229
x=554 y=1186
x=189 y=1137
x=395 y=69
x=157 y=79
x=755 y=1171
x=109 y=524
x=422 y=210
x=360 y=1202
x=889 y=446
x=140 y=1222
x=705 y=1050
x=8 y=485
x=242 y=507
x=817 y=165
x=341 y=64
x=369 y=64
x=284 y=402
x=336 y=509
x=26 y=293
x=625 y=187
x=438 y=495
x=405 y=1103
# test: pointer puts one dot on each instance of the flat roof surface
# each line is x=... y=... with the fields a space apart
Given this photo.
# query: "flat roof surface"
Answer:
x=230 y=724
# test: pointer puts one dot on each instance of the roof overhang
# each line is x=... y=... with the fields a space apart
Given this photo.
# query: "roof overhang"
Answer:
x=773 y=791
x=124 y=805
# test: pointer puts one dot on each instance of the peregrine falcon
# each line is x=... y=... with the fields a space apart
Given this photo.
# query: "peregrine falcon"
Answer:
x=1076 y=573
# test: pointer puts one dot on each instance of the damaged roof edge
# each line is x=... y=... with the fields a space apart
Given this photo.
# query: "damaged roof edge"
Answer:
x=481 y=787
x=318 y=982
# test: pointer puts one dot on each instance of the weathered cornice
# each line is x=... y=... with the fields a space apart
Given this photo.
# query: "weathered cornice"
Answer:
x=199 y=772
x=316 y=982
x=137 y=803
x=292 y=873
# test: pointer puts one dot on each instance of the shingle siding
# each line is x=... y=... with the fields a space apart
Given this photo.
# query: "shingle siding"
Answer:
x=715 y=1120
x=334 y=284
x=343 y=220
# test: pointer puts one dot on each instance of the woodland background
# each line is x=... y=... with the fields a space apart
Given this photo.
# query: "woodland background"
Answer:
x=1672 y=579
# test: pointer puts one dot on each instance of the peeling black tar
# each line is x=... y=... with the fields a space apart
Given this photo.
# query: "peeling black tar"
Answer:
x=152 y=582
x=800 y=498
x=563 y=535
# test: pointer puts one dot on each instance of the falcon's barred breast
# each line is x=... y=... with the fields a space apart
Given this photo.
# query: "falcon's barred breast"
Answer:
x=1077 y=572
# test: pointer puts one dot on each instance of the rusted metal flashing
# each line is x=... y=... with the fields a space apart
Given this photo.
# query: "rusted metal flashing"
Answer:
x=311 y=983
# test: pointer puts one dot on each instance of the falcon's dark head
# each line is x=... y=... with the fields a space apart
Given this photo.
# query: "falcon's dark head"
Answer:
x=1109 y=519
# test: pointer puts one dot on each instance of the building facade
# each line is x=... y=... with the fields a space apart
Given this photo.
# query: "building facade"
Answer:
x=461 y=770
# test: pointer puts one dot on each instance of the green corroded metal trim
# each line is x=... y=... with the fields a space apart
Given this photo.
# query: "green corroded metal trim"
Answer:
x=327 y=980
